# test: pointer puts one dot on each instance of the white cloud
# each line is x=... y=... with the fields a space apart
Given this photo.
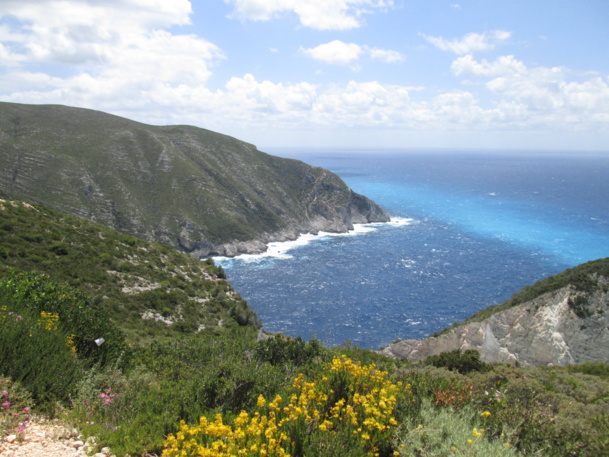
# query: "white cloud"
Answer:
x=335 y=52
x=544 y=94
x=386 y=55
x=122 y=57
x=100 y=53
x=471 y=42
x=339 y=53
x=317 y=14
x=504 y=64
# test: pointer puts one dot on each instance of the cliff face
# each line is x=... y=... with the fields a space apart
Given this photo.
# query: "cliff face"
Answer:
x=562 y=327
x=197 y=190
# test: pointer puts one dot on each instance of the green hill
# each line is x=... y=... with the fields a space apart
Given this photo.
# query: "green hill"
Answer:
x=188 y=187
x=128 y=277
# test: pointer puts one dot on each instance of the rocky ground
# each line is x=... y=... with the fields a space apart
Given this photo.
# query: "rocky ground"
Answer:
x=44 y=438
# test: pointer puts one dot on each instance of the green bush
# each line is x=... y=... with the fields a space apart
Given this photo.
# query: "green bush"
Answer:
x=463 y=362
x=281 y=350
x=32 y=294
x=450 y=432
x=36 y=353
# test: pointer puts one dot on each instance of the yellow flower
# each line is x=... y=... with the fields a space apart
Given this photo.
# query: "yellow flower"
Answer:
x=476 y=433
x=485 y=414
x=470 y=441
x=261 y=401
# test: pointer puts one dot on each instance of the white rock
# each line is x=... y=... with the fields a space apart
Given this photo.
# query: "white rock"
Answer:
x=543 y=331
x=10 y=438
x=77 y=444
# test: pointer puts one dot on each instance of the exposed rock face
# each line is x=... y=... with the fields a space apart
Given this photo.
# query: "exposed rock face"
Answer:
x=200 y=191
x=559 y=328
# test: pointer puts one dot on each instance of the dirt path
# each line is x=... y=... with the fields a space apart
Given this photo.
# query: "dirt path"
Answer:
x=44 y=438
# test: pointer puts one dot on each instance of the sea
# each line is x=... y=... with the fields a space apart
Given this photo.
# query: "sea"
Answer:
x=468 y=230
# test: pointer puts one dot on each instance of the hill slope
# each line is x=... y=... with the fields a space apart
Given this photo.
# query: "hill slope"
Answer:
x=561 y=320
x=150 y=290
x=197 y=190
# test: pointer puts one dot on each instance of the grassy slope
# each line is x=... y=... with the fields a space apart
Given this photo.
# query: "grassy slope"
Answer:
x=125 y=275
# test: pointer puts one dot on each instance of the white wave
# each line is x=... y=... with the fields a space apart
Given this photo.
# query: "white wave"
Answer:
x=281 y=249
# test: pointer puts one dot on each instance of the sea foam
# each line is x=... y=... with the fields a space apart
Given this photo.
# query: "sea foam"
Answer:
x=282 y=249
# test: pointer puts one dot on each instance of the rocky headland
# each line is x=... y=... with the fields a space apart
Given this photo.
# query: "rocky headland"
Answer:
x=200 y=191
x=561 y=327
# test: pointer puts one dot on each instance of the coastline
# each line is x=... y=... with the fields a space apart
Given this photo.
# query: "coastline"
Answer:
x=281 y=249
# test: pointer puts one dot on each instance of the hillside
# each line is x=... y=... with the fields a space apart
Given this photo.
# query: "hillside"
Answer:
x=197 y=190
x=149 y=289
x=560 y=320
x=194 y=377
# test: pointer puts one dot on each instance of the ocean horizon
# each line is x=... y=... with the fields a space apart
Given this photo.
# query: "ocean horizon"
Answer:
x=469 y=229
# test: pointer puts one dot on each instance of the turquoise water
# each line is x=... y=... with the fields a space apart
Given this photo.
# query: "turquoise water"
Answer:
x=472 y=229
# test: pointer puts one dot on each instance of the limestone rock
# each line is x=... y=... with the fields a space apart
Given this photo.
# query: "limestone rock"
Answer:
x=544 y=331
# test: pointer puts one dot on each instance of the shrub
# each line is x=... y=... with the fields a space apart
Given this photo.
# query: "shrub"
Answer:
x=33 y=294
x=450 y=432
x=347 y=411
x=37 y=353
x=463 y=362
x=281 y=350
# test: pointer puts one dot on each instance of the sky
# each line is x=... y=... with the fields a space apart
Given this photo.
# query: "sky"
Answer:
x=480 y=74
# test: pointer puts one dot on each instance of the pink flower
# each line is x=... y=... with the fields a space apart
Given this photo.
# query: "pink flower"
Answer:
x=6 y=405
x=4 y=393
x=26 y=410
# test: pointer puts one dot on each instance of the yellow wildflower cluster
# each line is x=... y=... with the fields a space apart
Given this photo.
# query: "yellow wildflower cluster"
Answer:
x=352 y=403
x=48 y=320
x=70 y=343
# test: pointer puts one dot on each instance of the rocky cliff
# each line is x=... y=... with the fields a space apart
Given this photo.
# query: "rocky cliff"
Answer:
x=569 y=325
x=200 y=191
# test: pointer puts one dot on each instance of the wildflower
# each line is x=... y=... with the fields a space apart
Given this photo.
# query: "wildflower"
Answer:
x=26 y=410
x=454 y=448
x=4 y=393
x=485 y=414
x=476 y=433
x=470 y=441
x=6 y=405
x=261 y=401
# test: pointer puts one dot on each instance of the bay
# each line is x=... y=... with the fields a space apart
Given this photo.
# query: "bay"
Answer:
x=470 y=229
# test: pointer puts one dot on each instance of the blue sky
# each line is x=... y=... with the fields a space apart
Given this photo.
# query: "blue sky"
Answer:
x=503 y=74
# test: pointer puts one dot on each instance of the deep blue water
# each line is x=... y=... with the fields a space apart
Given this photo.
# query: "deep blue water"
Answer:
x=473 y=228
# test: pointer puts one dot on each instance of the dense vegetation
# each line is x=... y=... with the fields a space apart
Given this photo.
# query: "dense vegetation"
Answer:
x=226 y=391
x=125 y=276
